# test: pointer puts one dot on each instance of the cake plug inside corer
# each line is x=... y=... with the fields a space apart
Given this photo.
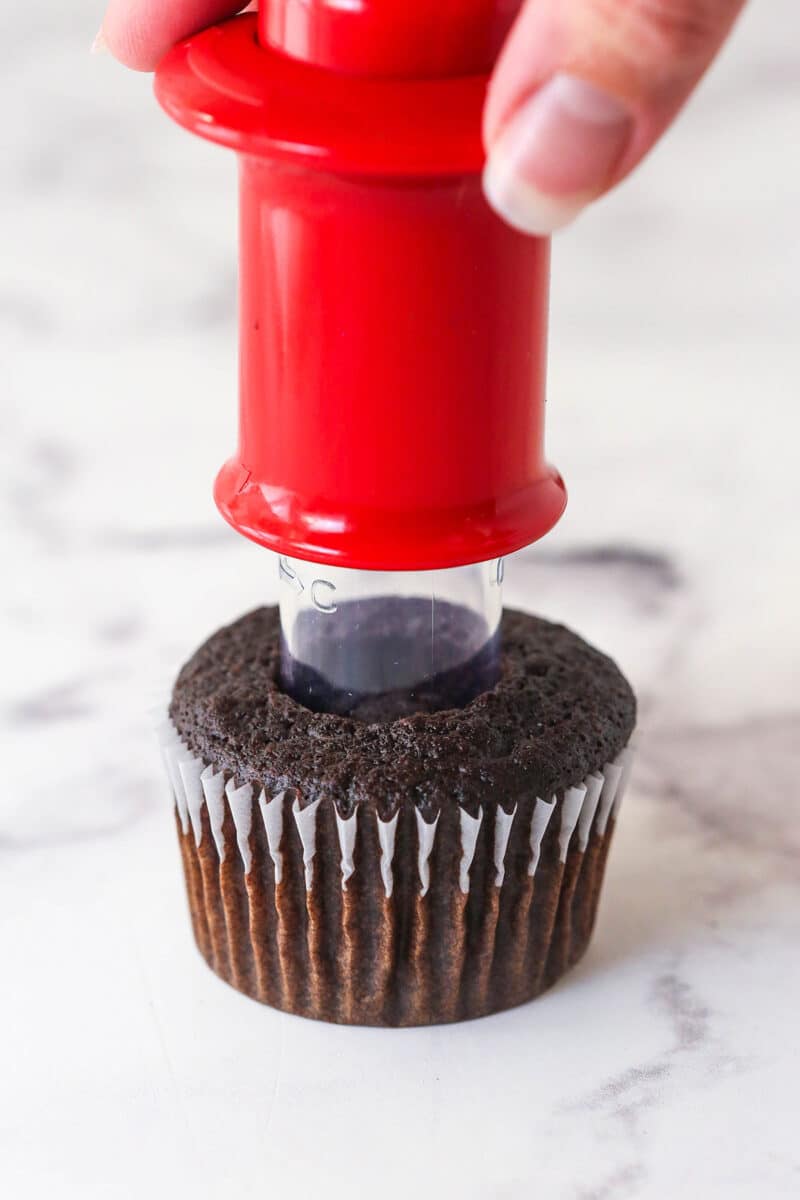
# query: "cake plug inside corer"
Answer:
x=392 y=340
x=377 y=645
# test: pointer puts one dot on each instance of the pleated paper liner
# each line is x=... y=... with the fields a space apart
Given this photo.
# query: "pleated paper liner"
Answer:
x=405 y=921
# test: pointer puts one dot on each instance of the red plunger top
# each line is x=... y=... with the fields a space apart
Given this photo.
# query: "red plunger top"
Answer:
x=389 y=38
x=393 y=329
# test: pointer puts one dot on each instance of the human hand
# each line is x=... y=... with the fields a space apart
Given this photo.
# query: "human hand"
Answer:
x=582 y=91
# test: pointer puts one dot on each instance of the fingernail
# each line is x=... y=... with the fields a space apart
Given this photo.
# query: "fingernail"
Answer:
x=557 y=153
x=99 y=45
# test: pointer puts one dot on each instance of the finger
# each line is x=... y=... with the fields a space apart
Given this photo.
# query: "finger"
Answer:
x=139 y=32
x=582 y=90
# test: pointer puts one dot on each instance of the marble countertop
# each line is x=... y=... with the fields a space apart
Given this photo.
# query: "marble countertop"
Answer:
x=666 y=1063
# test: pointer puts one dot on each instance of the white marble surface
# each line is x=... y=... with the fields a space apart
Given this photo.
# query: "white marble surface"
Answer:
x=666 y=1063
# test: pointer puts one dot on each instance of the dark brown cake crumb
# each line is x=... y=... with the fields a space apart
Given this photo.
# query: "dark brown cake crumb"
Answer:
x=561 y=710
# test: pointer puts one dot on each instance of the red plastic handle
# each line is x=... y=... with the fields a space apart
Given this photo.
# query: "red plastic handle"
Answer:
x=393 y=329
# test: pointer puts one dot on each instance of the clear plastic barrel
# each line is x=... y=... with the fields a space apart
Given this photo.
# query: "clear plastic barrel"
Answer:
x=378 y=645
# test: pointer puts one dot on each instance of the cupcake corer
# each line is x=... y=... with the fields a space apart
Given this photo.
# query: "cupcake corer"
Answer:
x=392 y=397
x=393 y=328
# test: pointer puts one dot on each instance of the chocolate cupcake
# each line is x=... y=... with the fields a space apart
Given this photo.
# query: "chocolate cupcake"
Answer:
x=432 y=868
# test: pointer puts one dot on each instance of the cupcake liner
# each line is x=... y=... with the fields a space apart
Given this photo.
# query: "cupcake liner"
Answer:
x=397 y=921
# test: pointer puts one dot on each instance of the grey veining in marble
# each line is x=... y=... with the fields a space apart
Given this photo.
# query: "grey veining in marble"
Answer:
x=666 y=1064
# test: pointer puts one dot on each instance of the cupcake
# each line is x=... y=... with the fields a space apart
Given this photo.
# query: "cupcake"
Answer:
x=433 y=868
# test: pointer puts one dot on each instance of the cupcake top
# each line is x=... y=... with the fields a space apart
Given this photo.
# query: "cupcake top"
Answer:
x=560 y=711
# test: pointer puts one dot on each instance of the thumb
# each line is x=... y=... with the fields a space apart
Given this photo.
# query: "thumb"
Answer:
x=582 y=90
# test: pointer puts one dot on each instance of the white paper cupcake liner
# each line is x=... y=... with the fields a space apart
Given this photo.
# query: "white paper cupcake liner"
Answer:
x=398 y=921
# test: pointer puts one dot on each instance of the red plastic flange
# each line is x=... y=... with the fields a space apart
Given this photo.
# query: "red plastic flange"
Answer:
x=393 y=329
